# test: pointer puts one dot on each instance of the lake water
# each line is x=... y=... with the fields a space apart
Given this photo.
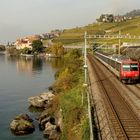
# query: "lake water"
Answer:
x=20 y=79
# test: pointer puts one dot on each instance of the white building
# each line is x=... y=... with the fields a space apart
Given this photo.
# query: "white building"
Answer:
x=26 y=42
x=23 y=43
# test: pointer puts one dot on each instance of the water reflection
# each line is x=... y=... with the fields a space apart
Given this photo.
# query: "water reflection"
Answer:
x=34 y=65
x=2 y=58
x=37 y=64
x=24 y=65
x=11 y=59
x=29 y=65
x=55 y=62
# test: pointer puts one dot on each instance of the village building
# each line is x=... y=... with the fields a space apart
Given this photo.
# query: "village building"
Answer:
x=26 y=42
x=110 y=18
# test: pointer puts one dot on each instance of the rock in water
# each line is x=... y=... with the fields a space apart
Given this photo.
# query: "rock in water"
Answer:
x=52 y=131
x=22 y=124
x=37 y=101
x=43 y=100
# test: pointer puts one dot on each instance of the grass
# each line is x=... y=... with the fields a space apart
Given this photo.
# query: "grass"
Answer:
x=74 y=115
x=70 y=93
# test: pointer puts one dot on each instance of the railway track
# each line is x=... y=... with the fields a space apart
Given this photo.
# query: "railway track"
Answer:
x=137 y=86
x=135 y=90
x=124 y=121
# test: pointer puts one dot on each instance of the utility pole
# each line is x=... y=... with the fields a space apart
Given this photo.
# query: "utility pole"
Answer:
x=85 y=59
x=119 y=51
x=85 y=85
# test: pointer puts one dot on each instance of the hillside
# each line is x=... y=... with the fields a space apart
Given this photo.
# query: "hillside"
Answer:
x=133 y=13
x=76 y=35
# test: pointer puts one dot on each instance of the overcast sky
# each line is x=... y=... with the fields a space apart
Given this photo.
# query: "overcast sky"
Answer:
x=19 y=18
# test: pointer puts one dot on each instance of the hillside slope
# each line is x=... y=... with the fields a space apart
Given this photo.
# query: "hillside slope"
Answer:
x=76 y=35
x=133 y=13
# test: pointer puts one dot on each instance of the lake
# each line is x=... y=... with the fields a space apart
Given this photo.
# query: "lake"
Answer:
x=21 y=78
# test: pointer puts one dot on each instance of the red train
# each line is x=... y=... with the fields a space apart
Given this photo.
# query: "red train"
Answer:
x=128 y=71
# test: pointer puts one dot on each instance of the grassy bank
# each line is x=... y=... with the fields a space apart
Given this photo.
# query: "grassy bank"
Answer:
x=71 y=98
x=75 y=119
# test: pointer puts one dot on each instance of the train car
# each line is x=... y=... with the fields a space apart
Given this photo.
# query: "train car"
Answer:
x=125 y=69
x=129 y=71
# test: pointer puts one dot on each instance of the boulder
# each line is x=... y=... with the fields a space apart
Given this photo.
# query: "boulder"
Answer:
x=24 y=117
x=43 y=100
x=37 y=101
x=43 y=115
x=49 y=125
x=22 y=124
x=51 y=131
x=43 y=121
x=44 y=118
x=47 y=96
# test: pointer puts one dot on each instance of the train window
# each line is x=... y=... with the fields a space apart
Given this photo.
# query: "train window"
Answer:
x=126 y=67
x=134 y=67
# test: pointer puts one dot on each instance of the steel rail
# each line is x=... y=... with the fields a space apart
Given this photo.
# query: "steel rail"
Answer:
x=126 y=123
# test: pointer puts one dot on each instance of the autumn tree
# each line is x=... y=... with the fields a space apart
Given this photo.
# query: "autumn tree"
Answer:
x=56 y=49
x=67 y=75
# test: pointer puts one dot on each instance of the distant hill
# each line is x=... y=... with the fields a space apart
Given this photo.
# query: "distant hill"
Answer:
x=76 y=35
x=133 y=13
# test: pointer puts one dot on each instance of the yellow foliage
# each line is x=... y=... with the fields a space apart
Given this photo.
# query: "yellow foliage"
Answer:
x=65 y=80
x=56 y=49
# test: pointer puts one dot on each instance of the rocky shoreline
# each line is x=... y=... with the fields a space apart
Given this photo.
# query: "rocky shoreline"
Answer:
x=44 y=100
x=22 y=124
x=48 y=123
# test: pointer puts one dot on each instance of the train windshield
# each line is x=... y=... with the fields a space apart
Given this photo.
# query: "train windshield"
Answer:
x=130 y=67
x=126 y=67
x=134 y=67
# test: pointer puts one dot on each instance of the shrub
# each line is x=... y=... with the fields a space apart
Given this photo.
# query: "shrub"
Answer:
x=2 y=48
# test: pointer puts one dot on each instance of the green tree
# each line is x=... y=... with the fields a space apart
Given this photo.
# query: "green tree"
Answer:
x=110 y=18
x=26 y=51
x=67 y=76
x=37 y=46
x=56 y=49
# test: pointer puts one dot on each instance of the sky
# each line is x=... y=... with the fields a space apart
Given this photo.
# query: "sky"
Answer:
x=20 y=18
